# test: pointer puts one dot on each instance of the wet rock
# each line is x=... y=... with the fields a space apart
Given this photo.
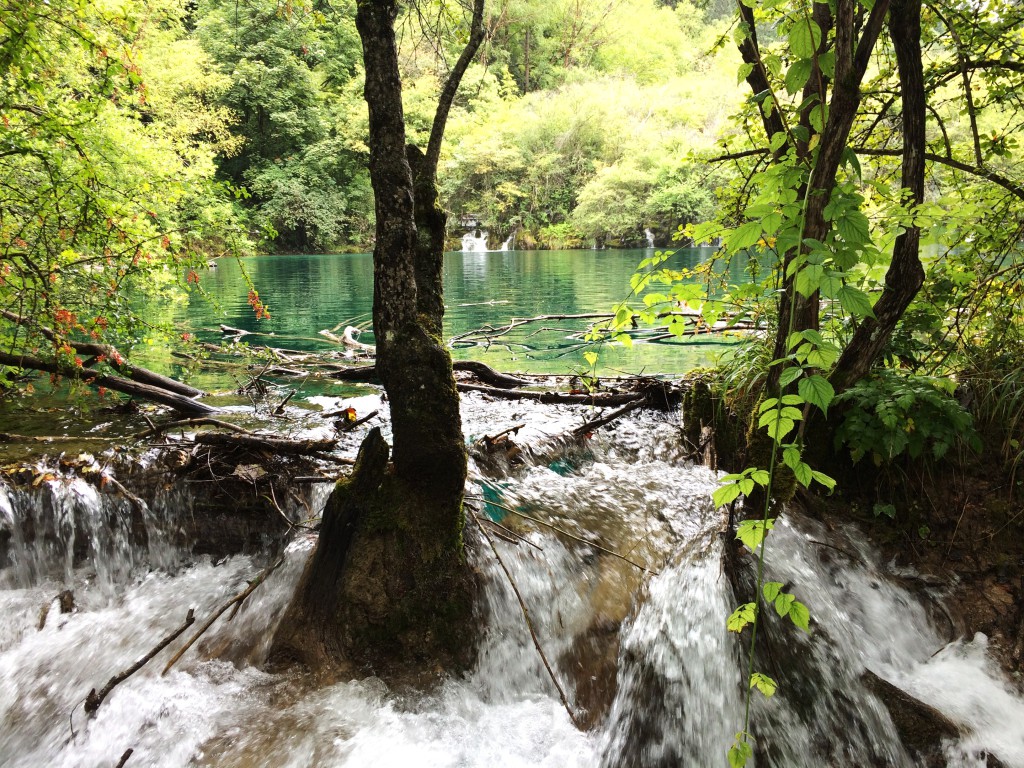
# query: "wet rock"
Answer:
x=593 y=662
x=922 y=728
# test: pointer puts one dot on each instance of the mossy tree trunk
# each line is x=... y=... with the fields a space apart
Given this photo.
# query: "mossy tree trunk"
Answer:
x=388 y=588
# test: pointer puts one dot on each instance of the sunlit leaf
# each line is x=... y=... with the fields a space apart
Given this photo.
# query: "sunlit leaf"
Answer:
x=764 y=684
x=741 y=617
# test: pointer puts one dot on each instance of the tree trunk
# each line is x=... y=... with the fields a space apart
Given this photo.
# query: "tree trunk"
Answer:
x=905 y=275
x=388 y=588
x=852 y=56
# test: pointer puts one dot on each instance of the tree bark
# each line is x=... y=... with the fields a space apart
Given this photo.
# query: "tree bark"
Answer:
x=905 y=275
x=388 y=588
x=852 y=56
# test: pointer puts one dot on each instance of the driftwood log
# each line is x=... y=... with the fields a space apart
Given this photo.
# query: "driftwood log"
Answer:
x=178 y=402
x=276 y=445
x=114 y=358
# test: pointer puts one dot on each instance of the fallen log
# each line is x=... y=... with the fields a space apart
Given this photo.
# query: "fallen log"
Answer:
x=552 y=398
x=277 y=445
x=603 y=421
x=156 y=394
x=488 y=375
x=111 y=356
x=364 y=373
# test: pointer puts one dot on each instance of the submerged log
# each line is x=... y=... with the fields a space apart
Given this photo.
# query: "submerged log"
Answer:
x=155 y=394
x=553 y=398
x=276 y=445
x=113 y=358
x=488 y=375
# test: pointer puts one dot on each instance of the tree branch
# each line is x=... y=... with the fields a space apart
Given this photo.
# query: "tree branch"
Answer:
x=451 y=87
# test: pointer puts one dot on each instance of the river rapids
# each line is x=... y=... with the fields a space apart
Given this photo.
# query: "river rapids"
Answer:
x=643 y=656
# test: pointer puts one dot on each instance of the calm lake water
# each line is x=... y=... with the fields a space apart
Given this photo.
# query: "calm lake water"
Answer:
x=309 y=293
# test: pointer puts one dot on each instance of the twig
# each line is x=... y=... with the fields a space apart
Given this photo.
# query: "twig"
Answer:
x=491 y=439
x=124 y=758
x=135 y=501
x=952 y=538
x=556 y=529
x=853 y=556
x=94 y=700
x=280 y=408
x=515 y=538
x=529 y=624
x=602 y=421
x=158 y=429
x=236 y=601
x=359 y=422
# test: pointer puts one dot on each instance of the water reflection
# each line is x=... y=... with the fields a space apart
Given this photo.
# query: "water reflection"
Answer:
x=307 y=293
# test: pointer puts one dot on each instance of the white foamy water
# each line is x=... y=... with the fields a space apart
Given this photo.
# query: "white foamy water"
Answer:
x=677 y=693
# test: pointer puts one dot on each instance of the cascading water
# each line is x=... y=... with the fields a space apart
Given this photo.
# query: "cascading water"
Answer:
x=656 y=676
x=650 y=238
x=474 y=241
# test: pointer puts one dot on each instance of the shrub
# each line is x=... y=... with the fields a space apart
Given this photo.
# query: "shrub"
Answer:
x=889 y=415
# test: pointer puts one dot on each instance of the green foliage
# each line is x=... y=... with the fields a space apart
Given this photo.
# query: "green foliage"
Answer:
x=106 y=159
x=604 y=152
x=299 y=120
x=890 y=415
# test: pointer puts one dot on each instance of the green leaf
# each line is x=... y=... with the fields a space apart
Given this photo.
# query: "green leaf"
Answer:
x=808 y=279
x=726 y=494
x=791 y=457
x=753 y=532
x=790 y=375
x=743 y=71
x=824 y=479
x=817 y=391
x=855 y=301
x=850 y=158
x=744 y=236
x=783 y=601
x=854 y=227
x=591 y=358
x=797 y=75
x=771 y=590
x=739 y=753
x=803 y=473
x=804 y=38
x=741 y=617
x=764 y=684
x=800 y=616
x=761 y=477
x=817 y=117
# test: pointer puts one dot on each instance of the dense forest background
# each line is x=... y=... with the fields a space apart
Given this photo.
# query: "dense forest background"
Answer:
x=242 y=126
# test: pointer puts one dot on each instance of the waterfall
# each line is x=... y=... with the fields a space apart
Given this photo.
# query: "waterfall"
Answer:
x=475 y=241
x=509 y=243
x=644 y=658
x=650 y=237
